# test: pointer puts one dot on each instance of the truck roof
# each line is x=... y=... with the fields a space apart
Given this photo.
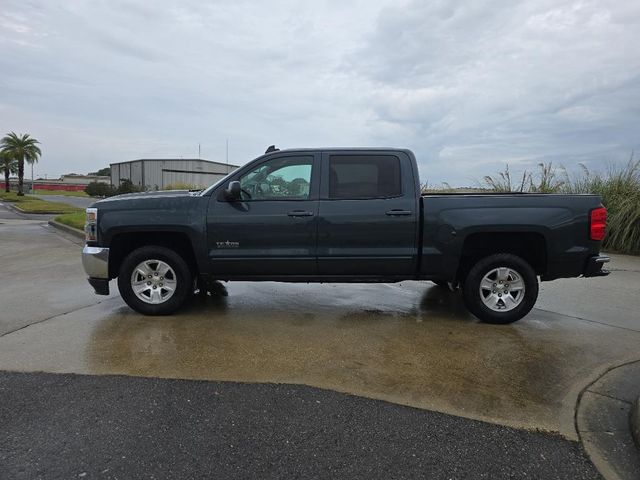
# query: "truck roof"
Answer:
x=340 y=149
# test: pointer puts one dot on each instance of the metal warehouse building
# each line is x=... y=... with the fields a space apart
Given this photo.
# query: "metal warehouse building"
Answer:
x=156 y=173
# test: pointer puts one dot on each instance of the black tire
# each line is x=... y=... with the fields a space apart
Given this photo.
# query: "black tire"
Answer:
x=472 y=295
x=183 y=279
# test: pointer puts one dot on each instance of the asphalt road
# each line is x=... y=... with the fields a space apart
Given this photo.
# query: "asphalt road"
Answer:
x=68 y=426
x=80 y=202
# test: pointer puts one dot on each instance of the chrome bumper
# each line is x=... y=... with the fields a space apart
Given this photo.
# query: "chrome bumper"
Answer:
x=95 y=261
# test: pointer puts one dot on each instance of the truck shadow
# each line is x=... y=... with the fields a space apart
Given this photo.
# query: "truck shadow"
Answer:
x=439 y=302
x=435 y=304
x=215 y=300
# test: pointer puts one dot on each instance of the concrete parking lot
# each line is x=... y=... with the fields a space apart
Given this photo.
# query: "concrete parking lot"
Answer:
x=411 y=343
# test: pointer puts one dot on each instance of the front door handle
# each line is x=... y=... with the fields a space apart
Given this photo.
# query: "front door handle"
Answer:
x=398 y=212
x=300 y=213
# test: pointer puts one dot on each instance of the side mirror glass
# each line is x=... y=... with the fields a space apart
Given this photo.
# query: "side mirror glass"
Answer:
x=233 y=191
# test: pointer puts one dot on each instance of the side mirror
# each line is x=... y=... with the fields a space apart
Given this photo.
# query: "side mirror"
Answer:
x=233 y=191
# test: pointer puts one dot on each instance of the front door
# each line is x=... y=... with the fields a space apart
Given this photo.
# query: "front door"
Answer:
x=271 y=230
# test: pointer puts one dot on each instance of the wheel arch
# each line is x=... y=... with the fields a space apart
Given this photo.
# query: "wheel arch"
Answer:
x=123 y=244
x=530 y=246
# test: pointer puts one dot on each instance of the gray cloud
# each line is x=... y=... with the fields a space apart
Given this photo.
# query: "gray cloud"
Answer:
x=505 y=81
x=466 y=85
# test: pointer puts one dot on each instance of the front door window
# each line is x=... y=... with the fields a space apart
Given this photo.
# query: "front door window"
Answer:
x=287 y=178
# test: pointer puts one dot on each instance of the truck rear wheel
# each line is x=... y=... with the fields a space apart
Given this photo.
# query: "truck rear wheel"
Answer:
x=500 y=289
x=154 y=280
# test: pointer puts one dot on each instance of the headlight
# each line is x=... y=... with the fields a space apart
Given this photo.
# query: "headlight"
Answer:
x=91 y=225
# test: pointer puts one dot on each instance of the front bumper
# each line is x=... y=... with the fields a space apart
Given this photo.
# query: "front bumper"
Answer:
x=95 y=261
x=594 y=266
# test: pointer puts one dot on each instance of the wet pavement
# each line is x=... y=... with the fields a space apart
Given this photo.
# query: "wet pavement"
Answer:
x=410 y=343
x=41 y=273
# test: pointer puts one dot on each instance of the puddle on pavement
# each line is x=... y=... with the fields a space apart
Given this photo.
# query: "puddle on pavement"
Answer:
x=428 y=352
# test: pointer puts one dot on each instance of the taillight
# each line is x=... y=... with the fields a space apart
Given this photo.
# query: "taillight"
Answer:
x=598 y=223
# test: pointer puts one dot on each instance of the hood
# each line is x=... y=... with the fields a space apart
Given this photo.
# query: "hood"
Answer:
x=160 y=194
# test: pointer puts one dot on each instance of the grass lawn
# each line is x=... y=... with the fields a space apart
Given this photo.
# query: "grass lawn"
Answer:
x=80 y=193
x=75 y=219
x=32 y=204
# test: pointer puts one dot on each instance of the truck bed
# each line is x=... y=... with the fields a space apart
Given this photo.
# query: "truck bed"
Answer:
x=455 y=225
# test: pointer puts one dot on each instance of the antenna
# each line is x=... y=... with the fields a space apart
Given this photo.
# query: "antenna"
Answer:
x=199 y=152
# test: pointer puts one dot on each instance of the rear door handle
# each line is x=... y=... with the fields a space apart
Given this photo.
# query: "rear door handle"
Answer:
x=300 y=213
x=398 y=212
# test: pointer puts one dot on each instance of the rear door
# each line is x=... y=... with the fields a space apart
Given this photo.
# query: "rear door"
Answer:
x=367 y=216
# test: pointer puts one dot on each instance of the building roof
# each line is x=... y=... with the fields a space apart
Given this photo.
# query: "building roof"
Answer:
x=175 y=160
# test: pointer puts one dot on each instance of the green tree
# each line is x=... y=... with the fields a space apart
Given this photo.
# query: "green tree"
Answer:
x=100 y=189
x=8 y=165
x=23 y=148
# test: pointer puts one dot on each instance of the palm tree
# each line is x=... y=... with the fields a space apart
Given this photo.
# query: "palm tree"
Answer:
x=22 y=148
x=8 y=165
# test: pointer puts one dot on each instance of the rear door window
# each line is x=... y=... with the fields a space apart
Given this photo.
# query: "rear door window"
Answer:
x=364 y=176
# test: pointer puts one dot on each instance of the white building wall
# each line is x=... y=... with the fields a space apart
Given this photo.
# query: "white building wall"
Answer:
x=153 y=174
x=157 y=174
x=198 y=173
x=136 y=173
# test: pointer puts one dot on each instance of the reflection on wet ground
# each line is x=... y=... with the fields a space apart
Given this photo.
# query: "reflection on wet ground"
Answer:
x=411 y=343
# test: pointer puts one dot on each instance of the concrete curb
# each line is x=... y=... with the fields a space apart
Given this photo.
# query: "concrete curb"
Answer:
x=635 y=422
x=66 y=228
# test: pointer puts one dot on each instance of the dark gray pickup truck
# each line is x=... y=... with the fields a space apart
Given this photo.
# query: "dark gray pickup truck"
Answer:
x=341 y=215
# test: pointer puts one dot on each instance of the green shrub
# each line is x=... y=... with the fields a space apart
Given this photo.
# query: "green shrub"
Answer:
x=127 y=186
x=619 y=188
x=504 y=183
x=99 y=189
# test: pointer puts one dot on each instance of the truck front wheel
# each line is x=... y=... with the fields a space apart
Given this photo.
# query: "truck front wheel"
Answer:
x=154 y=280
x=500 y=288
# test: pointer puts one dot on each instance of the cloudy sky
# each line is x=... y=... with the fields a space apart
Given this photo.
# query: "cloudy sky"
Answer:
x=467 y=85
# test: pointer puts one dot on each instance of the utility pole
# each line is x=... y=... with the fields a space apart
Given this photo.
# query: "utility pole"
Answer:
x=198 y=151
x=227 y=151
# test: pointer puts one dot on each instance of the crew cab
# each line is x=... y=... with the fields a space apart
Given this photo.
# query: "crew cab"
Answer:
x=341 y=215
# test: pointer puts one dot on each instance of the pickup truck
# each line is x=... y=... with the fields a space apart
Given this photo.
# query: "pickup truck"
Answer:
x=340 y=215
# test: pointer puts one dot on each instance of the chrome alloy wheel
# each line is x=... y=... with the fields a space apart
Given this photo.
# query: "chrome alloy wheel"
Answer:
x=153 y=281
x=502 y=289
